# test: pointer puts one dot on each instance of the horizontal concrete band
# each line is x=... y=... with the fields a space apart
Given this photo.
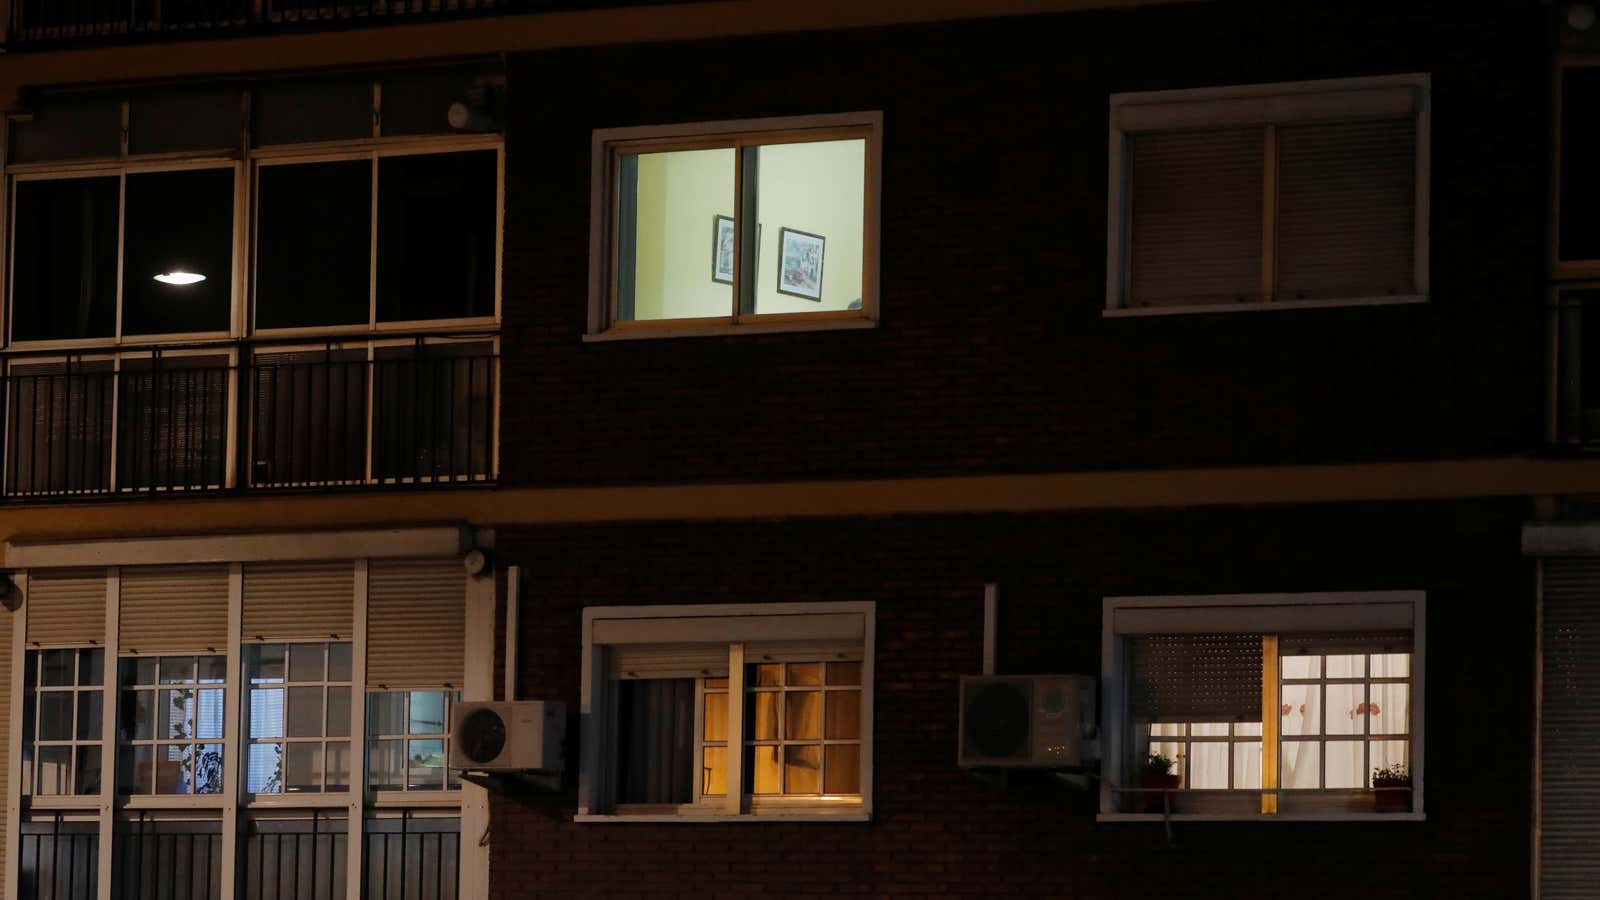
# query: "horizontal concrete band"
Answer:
x=1506 y=477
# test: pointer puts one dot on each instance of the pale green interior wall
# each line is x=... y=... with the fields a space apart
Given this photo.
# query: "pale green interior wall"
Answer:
x=816 y=188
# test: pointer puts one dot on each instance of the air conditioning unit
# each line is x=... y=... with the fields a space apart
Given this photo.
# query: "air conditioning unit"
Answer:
x=1042 y=721
x=521 y=736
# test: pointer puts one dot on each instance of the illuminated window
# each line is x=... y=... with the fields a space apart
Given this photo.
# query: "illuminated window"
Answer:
x=170 y=730
x=63 y=697
x=408 y=740
x=298 y=718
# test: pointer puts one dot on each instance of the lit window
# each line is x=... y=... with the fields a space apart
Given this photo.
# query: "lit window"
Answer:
x=737 y=224
x=297 y=718
x=408 y=740
x=170 y=722
x=63 y=697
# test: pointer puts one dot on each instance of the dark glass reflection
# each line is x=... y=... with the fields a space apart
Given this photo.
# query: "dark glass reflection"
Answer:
x=65 y=276
x=436 y=236
x=177 y=221
x=1580 y=181
x=314 y=244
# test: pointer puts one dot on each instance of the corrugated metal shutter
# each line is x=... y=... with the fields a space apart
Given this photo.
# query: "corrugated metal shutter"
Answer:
x=173 y=609
x=1196 y=202
x=300 y=601
x=66 y=607
x=1196 y=677
x=7 y=623
x=1569 y=729
x=670 y=661
x=1347 y=194
x=416 y=623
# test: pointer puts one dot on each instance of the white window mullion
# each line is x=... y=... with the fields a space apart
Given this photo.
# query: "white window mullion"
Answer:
x=108 y=736
x=233 y=743
x=734 y=804
x=356 y=807
x=13 y=749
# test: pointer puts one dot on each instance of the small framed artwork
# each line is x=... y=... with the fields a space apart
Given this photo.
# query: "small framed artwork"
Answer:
x=800 y=263
x=722 y=237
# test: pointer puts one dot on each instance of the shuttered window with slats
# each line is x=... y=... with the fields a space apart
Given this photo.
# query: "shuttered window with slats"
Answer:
x=1196 y=677
x=66 y=608
x=1569 y=730
x=299 y=601
x=173 y=609
x=416 y=624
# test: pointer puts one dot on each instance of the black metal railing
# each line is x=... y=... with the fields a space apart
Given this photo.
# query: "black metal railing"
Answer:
x=1574 y=327
x=58 y=860
x=259 y=418
x=156 y=858
x=411 y=858
x=301 y=858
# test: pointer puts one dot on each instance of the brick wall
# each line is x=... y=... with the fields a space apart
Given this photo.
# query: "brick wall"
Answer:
x=992 y=355
x=938 y=832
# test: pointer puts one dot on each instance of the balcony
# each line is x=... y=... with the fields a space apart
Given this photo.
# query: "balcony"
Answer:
x=248 y=417
x=1574 y=342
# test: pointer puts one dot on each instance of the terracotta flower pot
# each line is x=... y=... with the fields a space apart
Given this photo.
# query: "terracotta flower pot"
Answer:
x=1151 y=782
x=1392 y=801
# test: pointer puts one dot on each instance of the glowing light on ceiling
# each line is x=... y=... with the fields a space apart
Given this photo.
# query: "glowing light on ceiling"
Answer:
x=180 y=277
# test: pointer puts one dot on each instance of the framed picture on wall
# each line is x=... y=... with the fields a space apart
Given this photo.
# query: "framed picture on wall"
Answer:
x=800 y=263
x=722 y=237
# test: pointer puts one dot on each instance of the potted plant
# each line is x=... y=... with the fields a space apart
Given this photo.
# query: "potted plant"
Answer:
x=1157 y=776
x=1391 y=787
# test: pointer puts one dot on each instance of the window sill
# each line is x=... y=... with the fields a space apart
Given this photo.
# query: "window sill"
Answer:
x=699 y=818
x=1281 y=817
x=1134 y=312
x=719 y=330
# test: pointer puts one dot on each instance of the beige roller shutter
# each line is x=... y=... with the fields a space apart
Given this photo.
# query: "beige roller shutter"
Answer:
x=7 y=623
x=668 y=661
x=416 y=623
x=173 y=609
x=66 y=607
x=1569 y=730
x=1196 y=201
x=299 y=601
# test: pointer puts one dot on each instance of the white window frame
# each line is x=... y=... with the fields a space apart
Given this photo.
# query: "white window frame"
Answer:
x=599 y=739
x=77 y=689
x=609 y=143
x=1259 y=104
x=1222 y=613
x=284 y=685
x=228 y=740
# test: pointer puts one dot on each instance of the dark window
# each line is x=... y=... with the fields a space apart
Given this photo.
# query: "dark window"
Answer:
x=655 y=750
x=314 y=244
x=178 y=222
x=65 y=277
x=1580 y=180
x=69 y=129
x=301 y=111
x=436 y=236
x=169 y=121
x=1577 y=351
x=433 y=411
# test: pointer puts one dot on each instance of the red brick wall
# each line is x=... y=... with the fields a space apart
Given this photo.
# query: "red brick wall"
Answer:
x=993 y=355
x=938 y=832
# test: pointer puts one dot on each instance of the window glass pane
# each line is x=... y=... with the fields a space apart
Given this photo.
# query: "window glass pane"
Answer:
x=209 y=714
x=55 y=716
x=1391 y=708
x=1301 y=765
x=843 y=769
x=804 y=716
x=1346 y=666
x=1391 y=665
x=213 y=669
x=139 y=670
x=86 y=778
x=302 y=767
x=844 y=673
x=91 y=667
x=314 y=244
x=425 y=765
x=768 y=676
x=1208 y=765
x=714 y=771
x=1345 y=768
x=305 y=662
x=1389 y=753
x=427 y=712
x=137 y=715
x=55 y=770
x=1209 y=729
x=1247 y=765
x=1346 y=713
x=1246 y=728
x=90 y=718
x=266 y=712
x=175 y=714
x=177 y=669
x=386 y=713
x=844 y=715
x=1167 y=729
x=764 y=773
x=338 y=662
x=338 y=712
x=135 y=769
x=1301 y=666
x=812 y=213
x=264 y=769
x=174 y=769
x=386 y=765
x=56 y=668
x=1301 y=709
x=761 y=715
x=263 y=663
x=178 y=222
x=673 y=252
x=802 y=769
x=64 y=278
x=338 y=769
x=208 y=769
x=804 y=674
x=715 y=718
x=1580 y=184
x=305 y=712
x=436 y=235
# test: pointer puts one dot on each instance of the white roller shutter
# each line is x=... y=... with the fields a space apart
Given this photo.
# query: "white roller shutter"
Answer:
x=173 y=609
x=299 y=601
x=668 y=661
x=416 y=623
x=1569 y=730
x=66 y=607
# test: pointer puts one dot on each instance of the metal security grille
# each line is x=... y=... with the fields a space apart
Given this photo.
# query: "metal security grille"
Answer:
x=1569 y=728
x=1196 y=677
x=300 y=858
x=58 y=860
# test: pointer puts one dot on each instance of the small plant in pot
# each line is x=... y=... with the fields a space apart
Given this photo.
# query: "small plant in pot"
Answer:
x=1392 y=788
x=1157 y=775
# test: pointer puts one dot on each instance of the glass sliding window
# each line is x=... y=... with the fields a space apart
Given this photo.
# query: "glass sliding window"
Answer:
x=408 y=735
x=313 y=244
x=1346 y=714
x=297 y=718
x=63 y=693
x=170 y=724
x=178 y=226
x=436 y=235
x=64 y=275
x=803 y=729
x=666 y=204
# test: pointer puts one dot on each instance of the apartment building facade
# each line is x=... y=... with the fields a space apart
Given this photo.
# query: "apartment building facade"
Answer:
x=778 y=367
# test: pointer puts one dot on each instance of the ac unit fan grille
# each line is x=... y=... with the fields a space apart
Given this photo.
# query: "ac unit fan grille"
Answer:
x=998 y=720
x=482 y=736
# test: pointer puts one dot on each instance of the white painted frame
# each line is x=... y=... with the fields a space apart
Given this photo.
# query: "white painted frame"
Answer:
x=1260 y=104
x=1114 y=699
x=598 y=743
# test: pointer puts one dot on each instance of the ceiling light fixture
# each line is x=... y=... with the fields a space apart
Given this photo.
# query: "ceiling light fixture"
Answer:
x=180 y=277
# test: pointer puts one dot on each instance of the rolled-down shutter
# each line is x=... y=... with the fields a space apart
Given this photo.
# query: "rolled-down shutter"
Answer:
x=668 y=661
x=66 y=607
x=1196 y=677
x=416 y=624
x=173 y=609
x=299 y=601
x=1569 y=729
